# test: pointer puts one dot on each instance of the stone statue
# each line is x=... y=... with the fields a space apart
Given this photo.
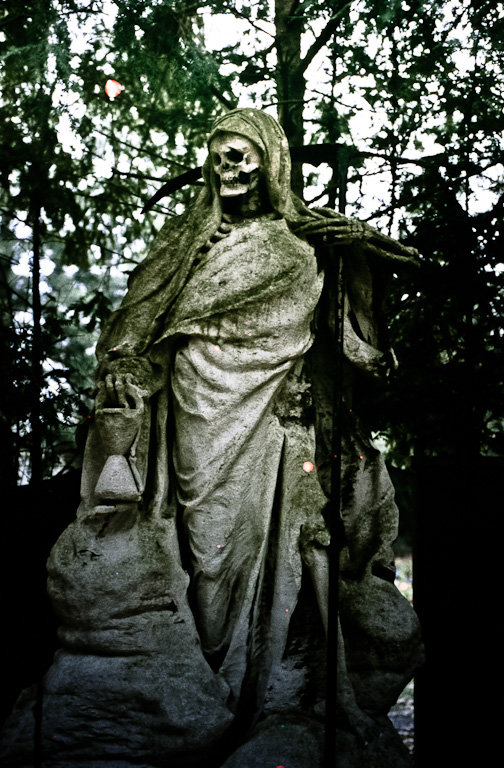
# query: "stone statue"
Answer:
x=192 y=588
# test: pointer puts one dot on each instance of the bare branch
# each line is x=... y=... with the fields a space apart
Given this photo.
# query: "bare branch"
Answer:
x=223 y=99
x=141 y=176
x=323 y=38
x=240 y=15
x=142 y=150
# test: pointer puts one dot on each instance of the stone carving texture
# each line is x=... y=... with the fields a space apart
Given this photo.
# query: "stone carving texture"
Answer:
x=192 y=587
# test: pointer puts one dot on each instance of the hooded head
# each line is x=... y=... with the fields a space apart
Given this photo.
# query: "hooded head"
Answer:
x=265 y=132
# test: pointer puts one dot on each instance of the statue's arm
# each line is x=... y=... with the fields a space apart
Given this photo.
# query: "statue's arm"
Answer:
x=363 y=355
x=333 y=228
x=371 y=251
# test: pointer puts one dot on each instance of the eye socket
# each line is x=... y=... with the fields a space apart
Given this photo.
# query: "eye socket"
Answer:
x=216 y=158
x=235 y=156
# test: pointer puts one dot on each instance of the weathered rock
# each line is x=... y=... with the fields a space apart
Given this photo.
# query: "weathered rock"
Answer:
x=384 y=645
x=297 y=742
x=290 y=741
x=131 y=682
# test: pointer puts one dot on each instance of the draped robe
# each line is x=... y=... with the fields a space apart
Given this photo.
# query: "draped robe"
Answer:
x=228 y=441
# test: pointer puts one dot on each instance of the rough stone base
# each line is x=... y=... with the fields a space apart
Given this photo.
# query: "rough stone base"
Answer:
x=113 y=712
x=289 y=741
x=299 y=743
x=131 y=686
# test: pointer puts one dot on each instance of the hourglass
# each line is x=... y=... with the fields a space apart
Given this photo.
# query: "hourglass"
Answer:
x=119 y=429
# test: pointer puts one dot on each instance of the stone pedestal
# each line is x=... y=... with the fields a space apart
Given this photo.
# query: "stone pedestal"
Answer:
x=130 y=686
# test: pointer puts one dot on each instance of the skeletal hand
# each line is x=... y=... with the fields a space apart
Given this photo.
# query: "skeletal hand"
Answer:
x=335 y=231
x=119 y=391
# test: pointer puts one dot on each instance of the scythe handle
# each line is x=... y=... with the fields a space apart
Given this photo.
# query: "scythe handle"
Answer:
x=336 y=275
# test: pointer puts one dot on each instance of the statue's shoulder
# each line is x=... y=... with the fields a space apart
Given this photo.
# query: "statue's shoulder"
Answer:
x=277 y=235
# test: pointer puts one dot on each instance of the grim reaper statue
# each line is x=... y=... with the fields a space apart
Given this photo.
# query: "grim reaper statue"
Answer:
x=197 y=567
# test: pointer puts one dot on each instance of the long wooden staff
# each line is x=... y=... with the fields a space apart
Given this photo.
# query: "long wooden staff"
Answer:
x=337 y=277
x=334 y=546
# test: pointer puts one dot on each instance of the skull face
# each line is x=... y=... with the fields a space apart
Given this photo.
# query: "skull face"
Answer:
x=237 y=162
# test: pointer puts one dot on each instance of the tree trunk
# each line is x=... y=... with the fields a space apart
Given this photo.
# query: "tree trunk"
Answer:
x=290 y=80
x=36 y=353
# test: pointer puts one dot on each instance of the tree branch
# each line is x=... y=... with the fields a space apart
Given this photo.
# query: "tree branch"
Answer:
x=141 y=176
x=323 y=38
x=223 y=99
x=240 y=15
x=141 y=150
